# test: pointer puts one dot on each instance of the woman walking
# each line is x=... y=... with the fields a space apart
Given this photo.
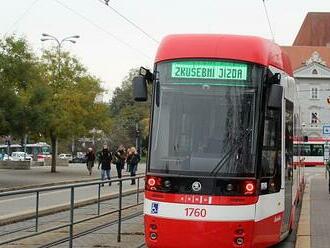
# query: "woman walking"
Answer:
x=90 y=159
x=105 y=162
x=120 y=157
x=133 y=163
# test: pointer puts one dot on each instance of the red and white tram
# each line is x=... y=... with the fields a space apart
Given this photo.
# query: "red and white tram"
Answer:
x=220 y=170
x=312 y=151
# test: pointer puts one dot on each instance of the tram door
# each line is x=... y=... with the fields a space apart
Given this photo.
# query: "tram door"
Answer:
x=288 y=164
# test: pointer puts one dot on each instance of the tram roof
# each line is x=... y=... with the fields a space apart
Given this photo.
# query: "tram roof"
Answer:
x=245 y=48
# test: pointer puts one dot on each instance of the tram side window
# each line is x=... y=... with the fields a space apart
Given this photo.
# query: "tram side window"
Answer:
x=271 y=157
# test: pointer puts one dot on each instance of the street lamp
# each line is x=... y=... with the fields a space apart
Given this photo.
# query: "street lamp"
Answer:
x=59 y=44
x=71 y=39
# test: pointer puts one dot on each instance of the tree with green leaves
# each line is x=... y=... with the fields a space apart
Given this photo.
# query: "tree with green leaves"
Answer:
x=126 y=113
x=71 y=108
x=20 y=87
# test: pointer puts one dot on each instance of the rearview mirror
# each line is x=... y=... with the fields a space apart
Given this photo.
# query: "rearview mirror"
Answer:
x=140 y=91
x=275 y=96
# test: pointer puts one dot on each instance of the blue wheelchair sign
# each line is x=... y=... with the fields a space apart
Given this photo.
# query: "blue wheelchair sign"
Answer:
x=154 y=208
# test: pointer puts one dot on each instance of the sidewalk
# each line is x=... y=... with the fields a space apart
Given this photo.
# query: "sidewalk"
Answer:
x=314 y=224
x=41 y=176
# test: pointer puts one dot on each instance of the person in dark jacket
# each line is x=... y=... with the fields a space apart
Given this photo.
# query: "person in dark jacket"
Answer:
x=90 y=158
x=133 y=163
x=120 y=157
x=105 y=162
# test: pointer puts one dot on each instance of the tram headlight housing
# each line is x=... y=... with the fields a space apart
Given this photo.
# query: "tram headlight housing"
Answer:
x=153 y=183
x=249 y=188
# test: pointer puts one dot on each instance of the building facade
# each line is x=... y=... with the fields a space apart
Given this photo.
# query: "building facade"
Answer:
x=313 y=86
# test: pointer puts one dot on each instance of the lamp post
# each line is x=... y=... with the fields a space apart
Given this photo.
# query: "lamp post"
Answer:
x=48 y=37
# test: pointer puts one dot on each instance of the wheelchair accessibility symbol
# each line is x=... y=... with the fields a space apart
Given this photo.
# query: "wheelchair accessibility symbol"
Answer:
x=154 y=208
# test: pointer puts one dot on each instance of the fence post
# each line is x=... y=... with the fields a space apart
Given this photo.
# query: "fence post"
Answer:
x=119 y=211
x=71 y=217
x=37 y=212
x=137 y=191
x=98 y=199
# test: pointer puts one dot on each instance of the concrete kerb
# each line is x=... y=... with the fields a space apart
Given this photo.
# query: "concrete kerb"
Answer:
x=9 y=219
x=304 y=229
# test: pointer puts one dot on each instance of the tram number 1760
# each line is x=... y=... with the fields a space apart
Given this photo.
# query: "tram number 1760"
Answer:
x=195 y=212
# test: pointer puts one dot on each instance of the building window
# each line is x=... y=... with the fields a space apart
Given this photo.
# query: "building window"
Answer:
x=315 y=72
x=314 y=93
x=315 y=118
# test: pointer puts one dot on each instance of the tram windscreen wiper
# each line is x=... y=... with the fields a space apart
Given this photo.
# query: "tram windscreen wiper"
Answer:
x=230 y=153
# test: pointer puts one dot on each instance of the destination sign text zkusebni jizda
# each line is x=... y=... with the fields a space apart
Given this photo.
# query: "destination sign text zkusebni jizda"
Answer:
x=209 y=70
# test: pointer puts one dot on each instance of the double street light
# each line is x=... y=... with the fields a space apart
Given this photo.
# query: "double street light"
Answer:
x=48 y=37
x=59 y=44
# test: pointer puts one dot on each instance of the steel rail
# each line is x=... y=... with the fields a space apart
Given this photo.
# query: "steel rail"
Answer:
x=71 y=223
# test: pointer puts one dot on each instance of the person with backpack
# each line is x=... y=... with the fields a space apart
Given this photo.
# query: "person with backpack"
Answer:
x=133 y=163
x=119 y=159
x=90 y=159
x=105 y=162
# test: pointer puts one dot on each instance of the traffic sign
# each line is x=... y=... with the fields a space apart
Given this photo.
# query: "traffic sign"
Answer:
x=326 y=129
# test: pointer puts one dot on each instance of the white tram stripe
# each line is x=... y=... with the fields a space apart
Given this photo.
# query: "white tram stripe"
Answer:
x=195 y=212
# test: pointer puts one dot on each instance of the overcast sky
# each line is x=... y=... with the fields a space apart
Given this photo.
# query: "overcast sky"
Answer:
x=109 y=46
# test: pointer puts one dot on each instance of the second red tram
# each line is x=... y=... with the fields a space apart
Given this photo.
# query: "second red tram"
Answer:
x=220 y=169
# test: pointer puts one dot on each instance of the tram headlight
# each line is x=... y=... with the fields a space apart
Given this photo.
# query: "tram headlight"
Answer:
x=167 y=183
x=153 y=236
x=229 y=187
x=239 y=241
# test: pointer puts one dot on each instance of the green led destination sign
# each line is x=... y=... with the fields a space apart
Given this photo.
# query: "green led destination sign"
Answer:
x=209 y=70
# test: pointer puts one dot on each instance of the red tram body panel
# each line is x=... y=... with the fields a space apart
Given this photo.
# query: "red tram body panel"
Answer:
x=220 y=170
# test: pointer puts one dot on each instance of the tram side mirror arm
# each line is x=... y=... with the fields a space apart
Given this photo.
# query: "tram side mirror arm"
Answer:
x=275 y=96
x=273 y=78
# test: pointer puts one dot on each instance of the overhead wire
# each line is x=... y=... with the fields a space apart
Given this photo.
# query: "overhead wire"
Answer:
x=20 y=18
x=103 y=29
x=268 y=20
x=129 y=21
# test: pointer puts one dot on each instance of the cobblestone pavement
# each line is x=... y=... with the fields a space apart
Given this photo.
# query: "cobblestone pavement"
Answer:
x=132 y=229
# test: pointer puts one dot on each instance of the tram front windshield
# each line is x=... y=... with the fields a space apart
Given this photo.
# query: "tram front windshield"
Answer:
x=205 y=118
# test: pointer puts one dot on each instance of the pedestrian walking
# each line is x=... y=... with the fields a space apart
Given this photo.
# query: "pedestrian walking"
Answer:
x=119 y=159
x=128 y=158
x=105 y=162
x=134 y=160
x=90 y=159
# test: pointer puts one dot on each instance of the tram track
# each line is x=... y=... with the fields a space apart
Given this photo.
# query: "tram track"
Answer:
x=89 y=231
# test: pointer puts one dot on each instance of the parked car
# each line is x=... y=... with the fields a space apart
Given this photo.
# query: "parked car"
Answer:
x=65 y=156
x=20 y=156
x=78 y=160
x=5 y=157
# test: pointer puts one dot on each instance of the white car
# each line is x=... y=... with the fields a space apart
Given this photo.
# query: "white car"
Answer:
x=20 y=156
x=5 y=157
x=65 y=156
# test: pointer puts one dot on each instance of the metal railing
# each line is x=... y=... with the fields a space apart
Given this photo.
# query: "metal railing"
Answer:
x=71 y=207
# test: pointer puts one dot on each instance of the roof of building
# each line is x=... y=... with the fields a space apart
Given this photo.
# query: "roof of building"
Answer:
x=300 y=54
x=315 y=30
x=236 y=47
